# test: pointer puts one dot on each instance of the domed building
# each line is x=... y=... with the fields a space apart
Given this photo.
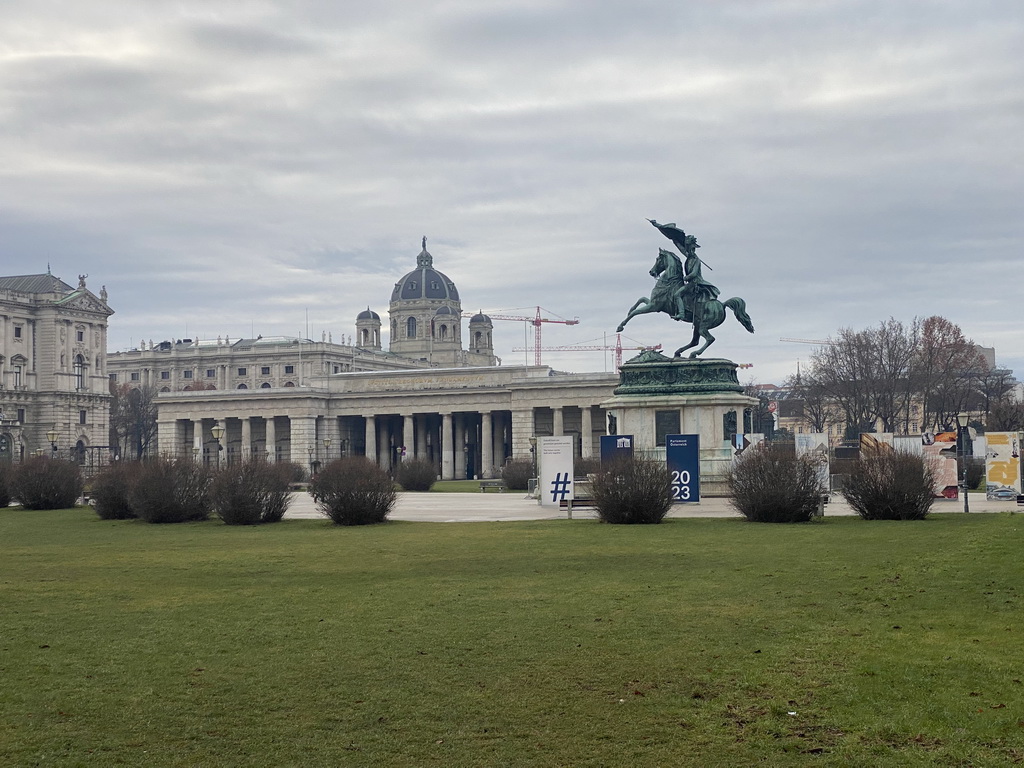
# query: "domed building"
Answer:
x=426 y=320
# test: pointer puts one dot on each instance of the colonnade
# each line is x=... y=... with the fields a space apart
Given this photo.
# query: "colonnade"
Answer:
x=461 y=443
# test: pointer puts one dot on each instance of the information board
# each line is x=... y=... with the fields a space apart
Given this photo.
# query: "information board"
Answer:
x=682 y=453
x=616 y=447
x=556 y=470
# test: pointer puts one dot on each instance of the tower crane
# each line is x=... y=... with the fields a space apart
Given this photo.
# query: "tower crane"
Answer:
x=617 y=347
x=827 y=342
x=535 y=321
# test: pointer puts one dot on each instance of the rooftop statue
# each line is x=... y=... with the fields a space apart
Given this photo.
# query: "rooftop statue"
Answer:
x=684 y=294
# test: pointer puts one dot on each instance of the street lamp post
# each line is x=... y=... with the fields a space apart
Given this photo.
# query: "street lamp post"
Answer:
x=217 y=432
x=310 y=452
x=961 y=440
x=327 y=449
x=52 y=437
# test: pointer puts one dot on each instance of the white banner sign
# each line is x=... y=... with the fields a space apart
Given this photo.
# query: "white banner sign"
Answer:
x=556 y=469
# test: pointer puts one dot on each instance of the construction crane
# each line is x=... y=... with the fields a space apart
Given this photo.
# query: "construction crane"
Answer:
x=535 y=321
x=827 y=342
x=617 y=347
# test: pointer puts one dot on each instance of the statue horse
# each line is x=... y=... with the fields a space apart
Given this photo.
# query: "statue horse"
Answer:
x=666 y=297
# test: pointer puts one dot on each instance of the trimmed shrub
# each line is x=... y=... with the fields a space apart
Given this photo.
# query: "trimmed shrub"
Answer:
x=171 y=491
x=251 y=492
x=416 y=475
x=630 y=491
x=517 y=473
x=5 y=484
x=771 y=484
x=354 y=491
x=45 y=483
x=891 y=485
x=296 y=472
x=111 y=490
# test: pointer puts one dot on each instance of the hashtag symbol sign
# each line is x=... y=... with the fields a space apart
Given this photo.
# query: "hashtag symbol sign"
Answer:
x=560 y=486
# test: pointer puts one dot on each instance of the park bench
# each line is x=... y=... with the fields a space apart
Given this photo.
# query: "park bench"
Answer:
x=486 y=485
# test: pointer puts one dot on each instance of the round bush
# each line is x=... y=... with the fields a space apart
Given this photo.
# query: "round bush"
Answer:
x=45 y=483
x=171 y=491
x=630 y=491
x=354 y=491
x=416 y=475
x=516 y=474
x=111 y=490
x=771 y=484
x=891 y=485
x=251 y=492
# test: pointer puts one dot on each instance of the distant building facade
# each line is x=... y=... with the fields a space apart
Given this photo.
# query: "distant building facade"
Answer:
x=53 y=377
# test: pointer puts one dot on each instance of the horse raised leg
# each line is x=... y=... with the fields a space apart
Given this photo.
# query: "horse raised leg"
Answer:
x=693 y=342
x=633 y=311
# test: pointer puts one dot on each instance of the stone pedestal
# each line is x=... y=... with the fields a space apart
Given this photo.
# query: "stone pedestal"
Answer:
x=658 y=395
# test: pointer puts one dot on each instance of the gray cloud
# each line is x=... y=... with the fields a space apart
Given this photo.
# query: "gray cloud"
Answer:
x=233 y=166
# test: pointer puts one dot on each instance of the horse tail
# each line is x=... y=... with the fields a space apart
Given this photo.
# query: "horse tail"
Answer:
x=739 y=308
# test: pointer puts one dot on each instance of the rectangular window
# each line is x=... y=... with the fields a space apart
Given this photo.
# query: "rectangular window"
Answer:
x=81 y=417
x=241 y=371
x=337 y=369
x=211 y=373
x=289 y=369
x=113 y=377
x=17 y=331
x=186 y=374
x=165 y=375
x=17 y=376
x=135 y=376
x=265 y=370
x=21 y=415
x=80 y=336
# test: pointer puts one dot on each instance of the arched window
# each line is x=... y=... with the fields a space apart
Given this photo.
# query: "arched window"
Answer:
x=444 y=332
x=264 y=385
x=479 y=338
x=79 y=372
x=242 y=386
x=289 y=383
x=410 y=328
x=364 y=338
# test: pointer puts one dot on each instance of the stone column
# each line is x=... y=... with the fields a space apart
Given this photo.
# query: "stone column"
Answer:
x=559 y=422
x=303 y=437
x=447 y=448
x=408 y=435
x=587 y=449
x=486 y=446
x=197 y=439
x=460 y=446
x=383 y=441
x=498 y=440
x=371 y=439
x=522 y=431
x=271 y=443
x=246 y=437
x=421 y=437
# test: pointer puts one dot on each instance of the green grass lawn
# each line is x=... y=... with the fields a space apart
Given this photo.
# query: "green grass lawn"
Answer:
x=556 y=643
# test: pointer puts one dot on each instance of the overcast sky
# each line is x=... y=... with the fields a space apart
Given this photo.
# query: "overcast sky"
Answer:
x=225 y=168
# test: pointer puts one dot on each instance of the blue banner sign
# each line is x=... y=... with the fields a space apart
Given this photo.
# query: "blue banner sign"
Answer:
x=616 y=447
x=682 y=453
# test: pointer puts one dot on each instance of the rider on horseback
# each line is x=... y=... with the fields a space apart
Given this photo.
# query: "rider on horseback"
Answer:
x=696 y=290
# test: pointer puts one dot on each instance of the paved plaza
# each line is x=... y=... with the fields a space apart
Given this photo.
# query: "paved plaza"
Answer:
x=510 y=506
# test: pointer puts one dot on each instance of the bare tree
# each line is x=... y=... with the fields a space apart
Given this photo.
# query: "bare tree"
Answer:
x=817 y=408
x=132 y=419
x=949 y=366
x=844 y=372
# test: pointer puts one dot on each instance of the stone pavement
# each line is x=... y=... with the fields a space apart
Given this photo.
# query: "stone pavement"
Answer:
x=508 y=506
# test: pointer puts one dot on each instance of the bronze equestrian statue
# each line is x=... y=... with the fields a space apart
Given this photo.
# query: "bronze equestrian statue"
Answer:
x=684 y=294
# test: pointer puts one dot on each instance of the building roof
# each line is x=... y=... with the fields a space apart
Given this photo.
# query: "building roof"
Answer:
x=425 y=282
x=45 y=283
x=367 y=314
x=479 y=317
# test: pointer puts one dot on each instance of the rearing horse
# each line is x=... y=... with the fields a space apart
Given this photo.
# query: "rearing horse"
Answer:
x=666 y=297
